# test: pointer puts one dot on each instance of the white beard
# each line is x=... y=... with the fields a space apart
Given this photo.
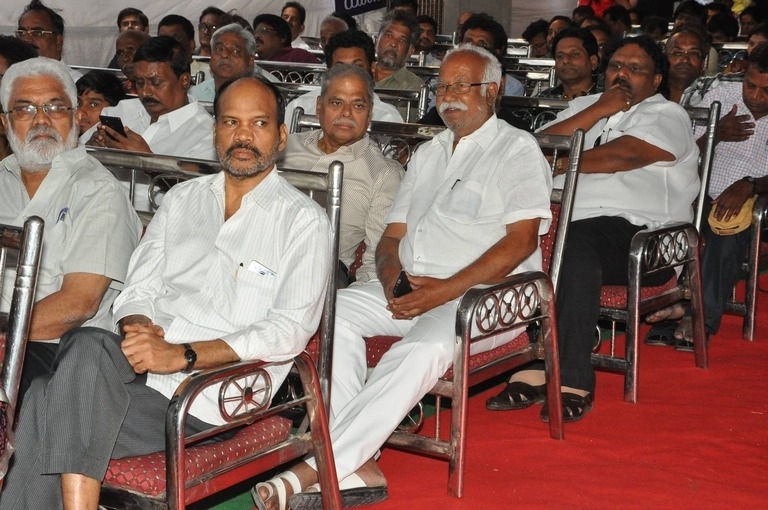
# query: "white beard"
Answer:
x=37 y=155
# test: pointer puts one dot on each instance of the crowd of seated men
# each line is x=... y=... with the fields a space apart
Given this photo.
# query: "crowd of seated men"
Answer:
x=469 y=210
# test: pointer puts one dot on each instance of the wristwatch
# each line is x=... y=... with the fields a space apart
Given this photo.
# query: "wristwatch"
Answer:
x=753 y=182
x=190 y=356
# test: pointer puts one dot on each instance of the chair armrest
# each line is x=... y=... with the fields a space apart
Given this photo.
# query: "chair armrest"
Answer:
x=668 y=246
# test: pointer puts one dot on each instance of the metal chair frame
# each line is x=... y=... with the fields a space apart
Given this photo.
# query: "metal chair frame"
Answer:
x=253 y=404
x=655 y=250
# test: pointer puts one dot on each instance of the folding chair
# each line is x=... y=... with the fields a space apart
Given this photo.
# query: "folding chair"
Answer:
x=522 y=300
x=26 y=244
x=652 y=251
x=192 y=469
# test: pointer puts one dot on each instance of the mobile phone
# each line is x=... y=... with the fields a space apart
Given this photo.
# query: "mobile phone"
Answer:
x=402 y=285
x=113 y=123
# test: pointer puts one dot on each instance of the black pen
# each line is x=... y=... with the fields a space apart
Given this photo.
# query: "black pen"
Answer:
x=455 y=183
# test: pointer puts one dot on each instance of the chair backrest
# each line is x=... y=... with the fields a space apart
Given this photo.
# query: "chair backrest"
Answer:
x=710 y=117
x=554 y=241
x=533 y=112
x=413 y=102
x=26 y=244
x=292 y=72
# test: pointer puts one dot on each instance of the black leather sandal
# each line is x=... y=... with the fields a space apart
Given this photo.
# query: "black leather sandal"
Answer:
x=517 y=395
x=574 y=407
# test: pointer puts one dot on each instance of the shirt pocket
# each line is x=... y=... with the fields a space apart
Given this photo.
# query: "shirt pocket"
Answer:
x=464 y=203
x=253 y=290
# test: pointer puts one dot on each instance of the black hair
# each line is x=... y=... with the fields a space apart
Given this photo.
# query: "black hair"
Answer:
x=279 y=99
x=184 y=23
x=164 y=48
x=485 y=22
x=724 y=23
x=759 y=58
x=584 y=35
x=412 y=4
x=540 y=26
x=57 y=22
x=566 y=19
x=298 y=7
x=660 y=64
x=653 y=23
x=406 y=19
x=756 y=11
x=132 y=11
x=104 y=83
x=694 y=29
x=761 y=29
x=278 y=24
x=721 y=8
x=618 y=13
x=425 y=18
x=585 y=11
x=231 y=17
x=211 y=10
x=15 y=50
x=693 y=9
x=350 y=39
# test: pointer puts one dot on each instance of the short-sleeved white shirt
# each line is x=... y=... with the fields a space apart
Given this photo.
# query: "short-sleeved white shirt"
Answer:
x=90 y=227
x=457 y=203
x=659 y=193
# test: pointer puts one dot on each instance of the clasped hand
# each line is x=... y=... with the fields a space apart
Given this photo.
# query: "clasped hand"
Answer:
x=428 y=293
x=145 y=348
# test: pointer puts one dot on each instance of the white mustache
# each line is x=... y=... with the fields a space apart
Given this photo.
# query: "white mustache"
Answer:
x=346 y=123
x=456 y=105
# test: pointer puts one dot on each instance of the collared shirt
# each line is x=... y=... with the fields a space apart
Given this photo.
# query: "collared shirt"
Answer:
x=735 y=160
x=206 y=91
x=371 y=182
x=456 y=204
x=300 y=43
x=383 y=112
x=402 y=79
x=185 y=132
x=90 y=227
x=255 y=281
x=652 y=195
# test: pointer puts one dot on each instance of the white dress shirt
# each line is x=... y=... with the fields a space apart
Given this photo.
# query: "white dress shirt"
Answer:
x=457 y=203
x=247 y=280
x=90 y=227
x=382 y=112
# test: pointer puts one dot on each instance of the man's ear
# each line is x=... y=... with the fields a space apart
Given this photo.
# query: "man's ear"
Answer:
x=492 y=92
x=4 y=122
x=283 y=137
x=59 y=43
x=185 y=79
x=594 y=61
x=657 y=81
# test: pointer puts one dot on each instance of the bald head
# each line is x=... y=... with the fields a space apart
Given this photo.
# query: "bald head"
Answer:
x=126 y=45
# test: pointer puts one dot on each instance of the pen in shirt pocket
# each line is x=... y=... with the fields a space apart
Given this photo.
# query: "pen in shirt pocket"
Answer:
x=237 y=271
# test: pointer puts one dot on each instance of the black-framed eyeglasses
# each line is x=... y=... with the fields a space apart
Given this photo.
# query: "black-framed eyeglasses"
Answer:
x=35 y=34
x=205 y=27
x=691 y=54
x=28 y=111
x=458 y=88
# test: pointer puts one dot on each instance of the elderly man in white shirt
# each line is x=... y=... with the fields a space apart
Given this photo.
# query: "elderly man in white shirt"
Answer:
x=348 y=47
x=233 y=267
x=469 y=211
x=90 y=227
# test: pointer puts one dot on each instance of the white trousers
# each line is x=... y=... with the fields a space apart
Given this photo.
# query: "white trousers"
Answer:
x=365 y=412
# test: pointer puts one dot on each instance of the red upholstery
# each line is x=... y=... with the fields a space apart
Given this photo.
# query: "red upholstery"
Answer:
x=146 y=473
x=547 y=241
x=615 y=296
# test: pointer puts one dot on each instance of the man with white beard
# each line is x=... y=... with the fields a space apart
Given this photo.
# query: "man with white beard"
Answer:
x=90 y=227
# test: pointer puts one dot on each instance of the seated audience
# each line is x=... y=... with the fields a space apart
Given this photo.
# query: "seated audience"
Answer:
x=582 y=12
x=187 y=305
x=738 y=173
x=95 y=91
x=654 y=27
x=469 y=211
x=757 y=36
x=273 y=41
x=295 y=15
x=723 y=28
x=686 y=50
x=349 y=47
x=129 y=19
x=330 y=26
x=426 y=40
x=90 y=227
x=397 y=37
x=604 y=39
x=640 y=169
x=207 y=25
x=692 y=12
x=536 y=36
x=556 y=25
x=125 y=49
x=181 y=29
x=617 y=18
x=234 y=49
x=371 y=180
x=43 y=28
x=12 y=50
x=484 y=31
x=750 y=18
x=576 y=62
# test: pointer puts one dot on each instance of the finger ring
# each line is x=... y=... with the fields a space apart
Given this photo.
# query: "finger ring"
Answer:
x=628 y=104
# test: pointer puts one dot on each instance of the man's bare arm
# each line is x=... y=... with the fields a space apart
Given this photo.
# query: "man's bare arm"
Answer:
x=622 y=154
x=77 y=301
x=493 y=266
x=387 y=256
x=612 y=101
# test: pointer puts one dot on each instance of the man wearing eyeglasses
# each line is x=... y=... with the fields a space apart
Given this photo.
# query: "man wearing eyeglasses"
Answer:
x=640 y=169
x=209 y=22
x=273 y=41
x=469 y=211
x=90 y=227
x=686 y=50
x=43 y=28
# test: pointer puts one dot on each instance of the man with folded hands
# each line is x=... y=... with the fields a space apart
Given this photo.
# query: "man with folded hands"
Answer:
x=469 y=211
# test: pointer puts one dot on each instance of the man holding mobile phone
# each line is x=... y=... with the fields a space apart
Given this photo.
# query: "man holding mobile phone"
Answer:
x=469 y=211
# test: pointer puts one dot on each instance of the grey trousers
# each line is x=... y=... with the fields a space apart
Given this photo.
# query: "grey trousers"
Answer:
x=90 y=409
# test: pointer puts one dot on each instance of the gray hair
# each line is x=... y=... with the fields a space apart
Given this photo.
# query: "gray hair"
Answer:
x=404 y=18
x=38 y=66
x=492 y=70
x=331 y=18
x=341 y=70
x=242 y=33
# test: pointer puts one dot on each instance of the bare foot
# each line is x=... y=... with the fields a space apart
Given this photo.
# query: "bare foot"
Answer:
x=568 y=389
x=532 y=377
x=371 y=474
x=674 y=312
